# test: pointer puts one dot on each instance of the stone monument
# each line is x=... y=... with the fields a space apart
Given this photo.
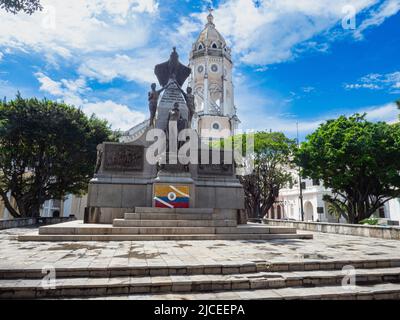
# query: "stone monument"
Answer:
x=124 y=179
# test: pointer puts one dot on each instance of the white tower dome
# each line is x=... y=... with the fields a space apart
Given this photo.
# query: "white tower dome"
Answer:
x=211 y=80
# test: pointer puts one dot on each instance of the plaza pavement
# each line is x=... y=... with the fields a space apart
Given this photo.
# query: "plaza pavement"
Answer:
x=28 y=255
x=213 y=269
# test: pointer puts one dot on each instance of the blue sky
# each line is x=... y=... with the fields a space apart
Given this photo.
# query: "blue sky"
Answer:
x=294 y=60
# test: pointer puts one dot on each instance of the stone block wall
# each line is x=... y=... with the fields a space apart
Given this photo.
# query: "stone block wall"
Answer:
x=383 y=232
x=26 y=222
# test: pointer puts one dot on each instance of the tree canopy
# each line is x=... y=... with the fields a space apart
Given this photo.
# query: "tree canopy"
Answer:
x=358 y=160
x=47 y=150
x=273 y=153
x=16 y=6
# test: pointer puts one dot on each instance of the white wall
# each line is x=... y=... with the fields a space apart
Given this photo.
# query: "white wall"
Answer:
x=394 y=209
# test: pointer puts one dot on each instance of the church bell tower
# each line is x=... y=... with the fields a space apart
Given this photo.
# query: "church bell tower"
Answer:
x=211 y=80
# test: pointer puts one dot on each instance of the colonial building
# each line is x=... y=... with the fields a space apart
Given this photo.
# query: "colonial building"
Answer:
x=315 y=208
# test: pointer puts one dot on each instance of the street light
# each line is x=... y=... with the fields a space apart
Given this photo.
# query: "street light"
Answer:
x=300 y=182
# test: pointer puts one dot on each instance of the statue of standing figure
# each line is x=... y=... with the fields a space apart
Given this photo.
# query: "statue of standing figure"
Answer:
x=154 y=95
x=190 y=102
x=180 y=122
x=173 y=116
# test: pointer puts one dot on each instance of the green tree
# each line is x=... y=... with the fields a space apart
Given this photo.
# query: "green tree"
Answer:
x=47 y=150
x=398 y=106
x=358 y=160
x=16 y=6
x=273 y=152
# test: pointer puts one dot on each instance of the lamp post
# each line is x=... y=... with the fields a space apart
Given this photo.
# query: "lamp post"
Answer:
x=300 y=182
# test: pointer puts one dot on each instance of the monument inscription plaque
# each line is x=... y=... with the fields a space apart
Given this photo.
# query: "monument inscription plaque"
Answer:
x=223 y=167
x=216 y=169
x=119 y=157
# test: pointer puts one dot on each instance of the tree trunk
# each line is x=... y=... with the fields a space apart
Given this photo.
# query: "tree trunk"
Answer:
x=257 y=209
x=8 y=205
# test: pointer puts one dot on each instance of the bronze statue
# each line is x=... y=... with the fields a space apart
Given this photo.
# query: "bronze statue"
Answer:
x=190 y=102
x=153 y=101
x=99 y=160
x=174 y=113
x=172 y=69
x=173 y=116
x=181 y=123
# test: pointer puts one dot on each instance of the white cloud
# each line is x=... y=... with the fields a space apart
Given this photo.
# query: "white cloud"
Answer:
x=138 y=67
x=269 y=33
x=362 y=86
x=49 y=85
x=376 y=81
x=308 y=89
x=69 y=91
x=118 y=115
x=80 y=26
x=72 y=92
x=388 y=113
x=1 y=56
x=264 y=121
x=261 y=111
x=377 y=17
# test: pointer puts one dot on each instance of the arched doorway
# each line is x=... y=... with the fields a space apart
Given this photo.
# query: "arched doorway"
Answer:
x=308 y=211
x=279 y=212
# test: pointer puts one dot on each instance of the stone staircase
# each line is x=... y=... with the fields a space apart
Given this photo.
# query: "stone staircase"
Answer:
x=165 y=224
x=374 y=279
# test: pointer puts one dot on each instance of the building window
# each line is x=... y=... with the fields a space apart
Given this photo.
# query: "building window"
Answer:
x=303 y=186
x=50 y=207
x=200 y=69
x=315 y=182
x=381 y=212
x=214 y=68
x=214 y=46
x=201 y=47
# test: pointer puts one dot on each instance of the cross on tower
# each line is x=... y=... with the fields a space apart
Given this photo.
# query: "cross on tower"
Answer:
x=210 y=17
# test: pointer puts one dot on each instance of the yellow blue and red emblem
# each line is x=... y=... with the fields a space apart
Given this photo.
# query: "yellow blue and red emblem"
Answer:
x=171 y=196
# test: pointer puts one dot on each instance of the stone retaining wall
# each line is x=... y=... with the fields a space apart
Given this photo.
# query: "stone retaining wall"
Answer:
x=383 y=232
x=26 y=222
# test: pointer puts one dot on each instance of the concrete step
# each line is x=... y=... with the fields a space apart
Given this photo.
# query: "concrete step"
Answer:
x=195 y=269
x=180 y=227
x=172 y=216
x=386 y=291
x=126 y=231
x=255 y=229
x=172 y=227
x=174 y=223
x=80 y=287
x=157 y=237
